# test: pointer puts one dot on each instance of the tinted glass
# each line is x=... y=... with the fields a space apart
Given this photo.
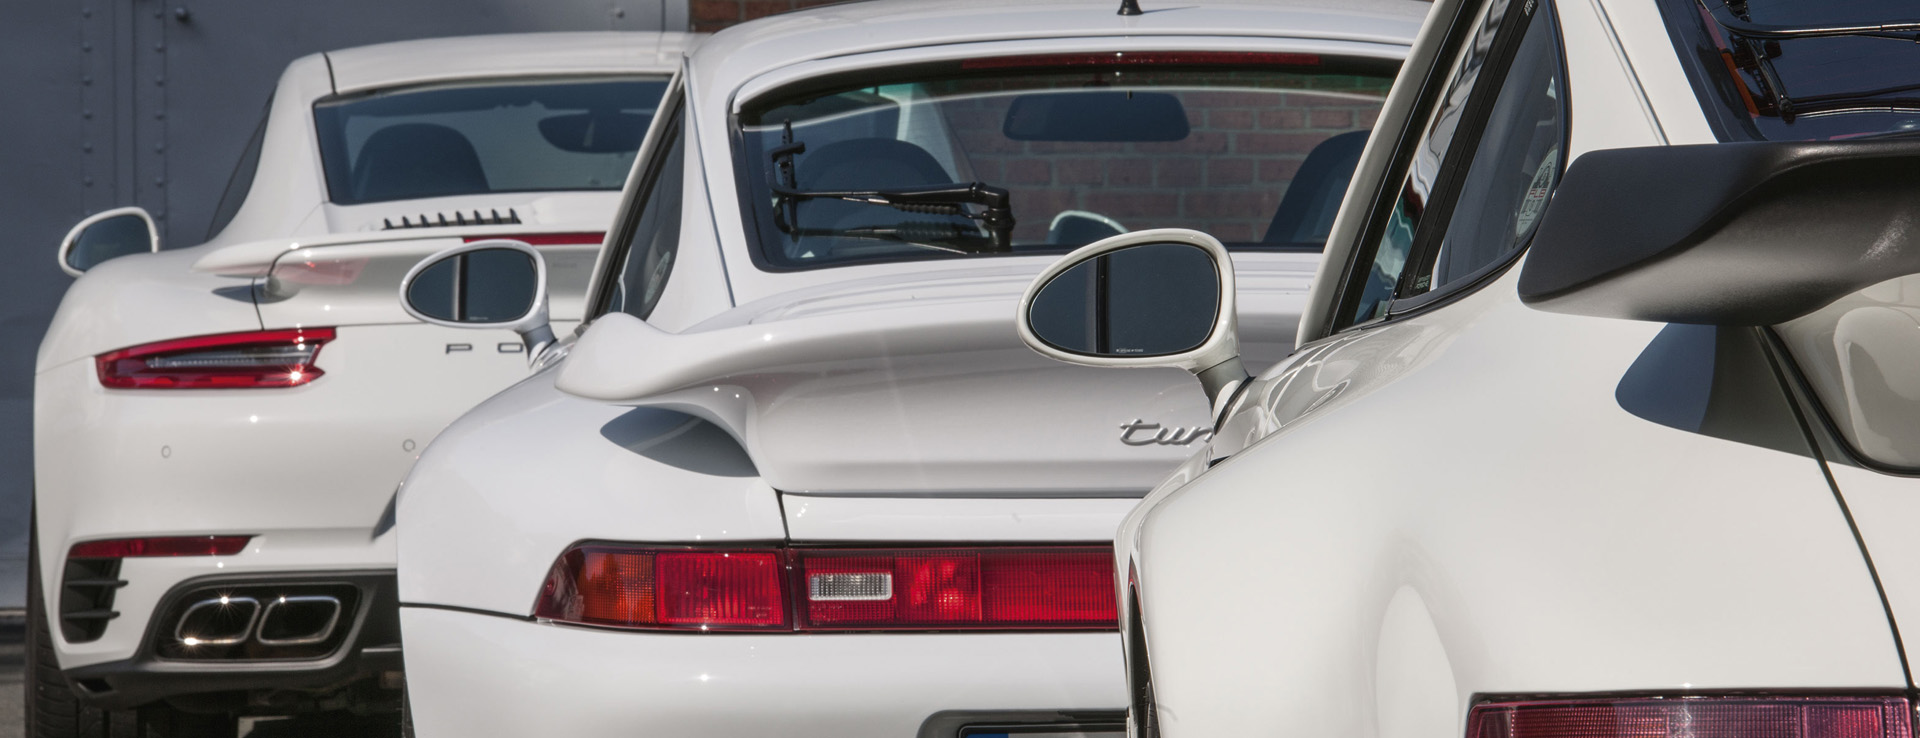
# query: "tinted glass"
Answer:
x=1257 y=155
x=484 y=286
x=242 y=179
x=116 y=236
x=1471 y=195
x=1799 y=89
x=647 y=260
x=500 y=286
x=478 y=138
x=1148 y=300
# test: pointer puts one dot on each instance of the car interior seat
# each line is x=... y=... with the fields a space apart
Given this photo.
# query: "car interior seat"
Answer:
x=865 y=164
x=411 y=160
x=1305 y=215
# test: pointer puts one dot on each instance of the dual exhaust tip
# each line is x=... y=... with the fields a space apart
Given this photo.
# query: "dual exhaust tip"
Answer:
x=288 y=620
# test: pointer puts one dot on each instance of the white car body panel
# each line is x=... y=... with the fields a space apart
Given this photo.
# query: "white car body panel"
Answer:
x=311 y=470
x=587 y=684
x=1467 y=512
x=871 y=404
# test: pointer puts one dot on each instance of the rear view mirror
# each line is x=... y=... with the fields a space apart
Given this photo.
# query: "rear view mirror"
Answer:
x=499 y=283
x=596 y=132
x=106 y=235
x=1103 y=116
x=1160 y=297
x=1738 y=234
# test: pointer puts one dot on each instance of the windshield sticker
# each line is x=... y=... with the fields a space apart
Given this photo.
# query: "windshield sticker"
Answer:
x=1536 y=198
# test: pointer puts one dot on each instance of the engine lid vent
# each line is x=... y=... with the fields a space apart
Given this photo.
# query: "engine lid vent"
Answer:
x=456 y=218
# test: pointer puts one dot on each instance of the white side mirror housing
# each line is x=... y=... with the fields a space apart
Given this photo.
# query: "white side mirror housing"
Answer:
x=106 y=235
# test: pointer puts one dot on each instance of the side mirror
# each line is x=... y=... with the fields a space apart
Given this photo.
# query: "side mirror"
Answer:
x=498 y=283
x=1736 y=234
x=106 y=235
x=1162 y=297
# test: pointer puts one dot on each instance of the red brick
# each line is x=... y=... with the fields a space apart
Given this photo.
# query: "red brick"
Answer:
x=1310 y=100
x=1061 y=147
x=1227 y=204
x=1229 y=172
x=1276 y=143
x=1031 y=204
x=1178 y=172
x=1078 y=172
x=1197 y=142
x=1234 y=120
x=1130 y=173
x=1332 y=118
x=715 y=10
x=1366 y=118
x=1283 y=118
x=987 y=168
x=1127 y=207
x=1029 y=171
x=1278 y=170
x=751 y=9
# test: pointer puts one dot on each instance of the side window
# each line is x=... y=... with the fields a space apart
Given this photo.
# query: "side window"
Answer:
x=652 y=241
x=1481 y=172
x=242 y=179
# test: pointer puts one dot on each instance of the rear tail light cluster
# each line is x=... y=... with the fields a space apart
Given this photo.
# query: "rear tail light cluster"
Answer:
x=775 y=589
x=1695 y=717
x=282 y=358
x=129 y=548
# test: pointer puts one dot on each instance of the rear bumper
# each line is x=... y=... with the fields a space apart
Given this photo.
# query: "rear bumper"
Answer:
x=484 y=674
x=367 y=644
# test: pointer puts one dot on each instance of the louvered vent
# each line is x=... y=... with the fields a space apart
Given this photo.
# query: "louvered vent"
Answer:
x=86 y=598
x=456 y=218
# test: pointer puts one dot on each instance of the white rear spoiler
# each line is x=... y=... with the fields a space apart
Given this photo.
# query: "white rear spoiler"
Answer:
x=256 y=258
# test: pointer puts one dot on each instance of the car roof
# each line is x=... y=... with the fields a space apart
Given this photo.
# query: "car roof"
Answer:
x=736 y=55
x=506 y=55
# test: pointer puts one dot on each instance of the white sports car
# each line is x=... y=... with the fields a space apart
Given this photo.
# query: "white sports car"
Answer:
x=799 y=476
x=219 y=430
x=1602 y=424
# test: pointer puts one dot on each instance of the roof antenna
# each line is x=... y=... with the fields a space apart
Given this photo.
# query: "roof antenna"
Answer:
x=1130 y=7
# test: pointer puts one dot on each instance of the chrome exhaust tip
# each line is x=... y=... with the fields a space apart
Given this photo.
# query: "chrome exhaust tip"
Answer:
x=217 y=621
x=298 y=620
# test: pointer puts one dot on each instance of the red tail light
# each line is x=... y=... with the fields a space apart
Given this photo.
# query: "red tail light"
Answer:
x=1695 y=717
x=548 y=239
x=282 y=358
x=129 y=548
x=936 y=589
x=667 y=589
x=1147 y=58
x=987 y=588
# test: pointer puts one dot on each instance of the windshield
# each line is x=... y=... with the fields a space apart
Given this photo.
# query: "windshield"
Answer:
x=480 y=138
x=1038 y=154
x=1800 y=70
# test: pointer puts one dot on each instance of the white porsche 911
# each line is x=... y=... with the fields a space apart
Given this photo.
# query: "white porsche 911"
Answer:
x=1603 y=421
x=799 y=477
x=219 y=430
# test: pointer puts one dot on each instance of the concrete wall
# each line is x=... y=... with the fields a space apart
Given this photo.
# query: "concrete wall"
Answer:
x=144 y=102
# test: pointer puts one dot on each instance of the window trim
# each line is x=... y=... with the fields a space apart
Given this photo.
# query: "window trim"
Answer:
x=648 y=163
x=1453 y=173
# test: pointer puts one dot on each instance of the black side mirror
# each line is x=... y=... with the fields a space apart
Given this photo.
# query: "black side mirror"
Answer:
x=107 y=235
x=499 y=283
x=1737 y=234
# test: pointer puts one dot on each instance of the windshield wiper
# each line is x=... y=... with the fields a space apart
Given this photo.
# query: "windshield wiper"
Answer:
x=991 y=207
x=1755 y=45
x=949 y=237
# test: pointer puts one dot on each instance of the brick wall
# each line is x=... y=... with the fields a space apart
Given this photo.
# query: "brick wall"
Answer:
x=713 y=15
x=1225 y=178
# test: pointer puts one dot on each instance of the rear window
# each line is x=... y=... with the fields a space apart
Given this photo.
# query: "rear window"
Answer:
x=1791 y=70
x=1255 y=149
x=478 y=138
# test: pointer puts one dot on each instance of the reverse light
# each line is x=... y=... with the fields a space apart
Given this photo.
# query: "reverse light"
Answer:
x=1147 y=58
x=133 y=548
x=829 y=589
x=1695 y=717
x=254 y=359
